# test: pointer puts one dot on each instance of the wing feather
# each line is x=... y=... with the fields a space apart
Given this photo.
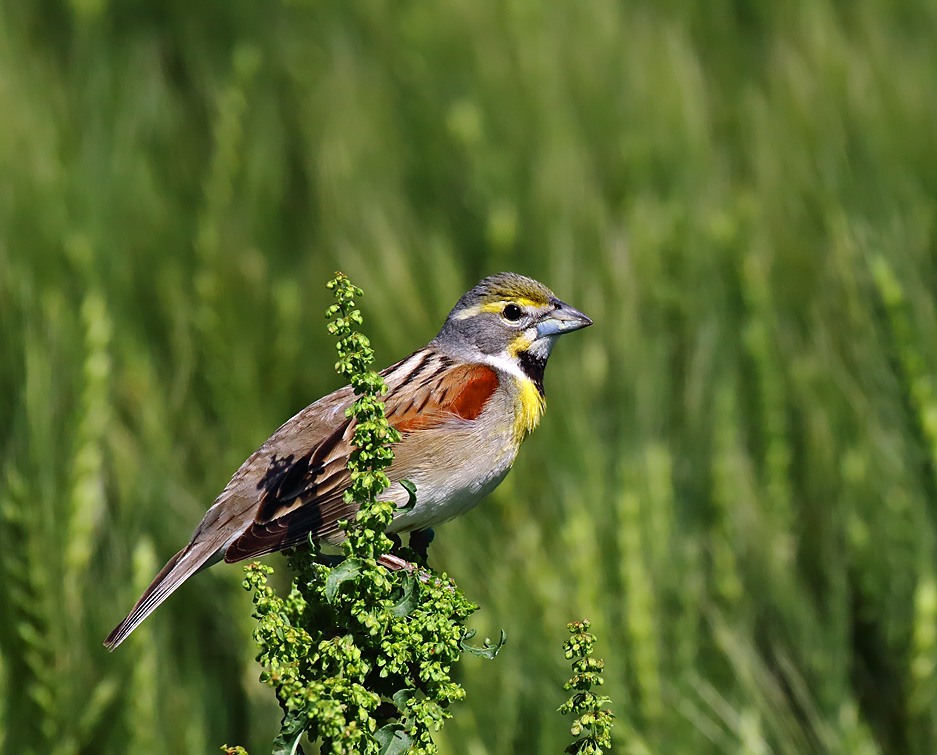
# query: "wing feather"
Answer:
x=304 y=496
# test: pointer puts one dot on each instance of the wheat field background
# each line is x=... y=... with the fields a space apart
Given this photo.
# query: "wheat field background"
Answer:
x=736 y=478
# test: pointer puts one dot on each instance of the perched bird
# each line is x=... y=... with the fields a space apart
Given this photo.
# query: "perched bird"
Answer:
x=462 y=405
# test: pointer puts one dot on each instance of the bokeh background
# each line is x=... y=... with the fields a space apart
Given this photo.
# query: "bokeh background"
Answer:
x=735 y=479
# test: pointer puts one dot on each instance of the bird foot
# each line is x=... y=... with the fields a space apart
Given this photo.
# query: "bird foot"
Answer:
x=395 y=563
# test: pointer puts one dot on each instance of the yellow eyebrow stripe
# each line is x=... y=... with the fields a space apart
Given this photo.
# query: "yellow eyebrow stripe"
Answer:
x=497 y=306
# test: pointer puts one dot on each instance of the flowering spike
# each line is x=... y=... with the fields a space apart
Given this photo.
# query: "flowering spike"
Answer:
x=583 y=704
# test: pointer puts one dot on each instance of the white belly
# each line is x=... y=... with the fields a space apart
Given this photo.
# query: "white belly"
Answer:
x=440 y=497
x=453 y=466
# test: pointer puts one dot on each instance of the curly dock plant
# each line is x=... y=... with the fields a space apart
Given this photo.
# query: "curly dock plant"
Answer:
x=592 y=724
x=361 y=657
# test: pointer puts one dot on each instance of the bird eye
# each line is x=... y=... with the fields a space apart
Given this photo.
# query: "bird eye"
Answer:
x=512 y=312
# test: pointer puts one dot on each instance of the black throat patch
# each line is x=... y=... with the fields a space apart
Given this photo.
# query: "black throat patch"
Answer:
x=533 y=366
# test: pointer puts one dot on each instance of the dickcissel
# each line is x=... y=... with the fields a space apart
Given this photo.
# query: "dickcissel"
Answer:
x=462 y=405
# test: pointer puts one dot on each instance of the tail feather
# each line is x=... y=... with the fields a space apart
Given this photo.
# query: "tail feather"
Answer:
x=176 y=571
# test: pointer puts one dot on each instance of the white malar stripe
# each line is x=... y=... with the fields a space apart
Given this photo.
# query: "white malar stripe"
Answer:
x=505 y=362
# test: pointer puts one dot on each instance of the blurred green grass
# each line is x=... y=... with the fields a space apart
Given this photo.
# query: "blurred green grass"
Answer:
x=735 y=480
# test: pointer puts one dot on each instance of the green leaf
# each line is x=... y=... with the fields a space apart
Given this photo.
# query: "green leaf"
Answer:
x=410 y=598
x=393 y=739
x=291 y=729
x=347 y=569
x=313 y=544
x=411 y=493
x=488 y=650
x=402 y=697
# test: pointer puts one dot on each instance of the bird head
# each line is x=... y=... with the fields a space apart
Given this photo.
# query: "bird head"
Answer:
x=511 y=322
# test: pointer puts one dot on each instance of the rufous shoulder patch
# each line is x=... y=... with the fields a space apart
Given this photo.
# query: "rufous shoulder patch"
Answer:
x=478 y=388
x=460 y=391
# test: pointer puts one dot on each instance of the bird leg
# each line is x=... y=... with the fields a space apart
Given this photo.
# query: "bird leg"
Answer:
x=419 y=543
x=395 y=540
x=418 y=547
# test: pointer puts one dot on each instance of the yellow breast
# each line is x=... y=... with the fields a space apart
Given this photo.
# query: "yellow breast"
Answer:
x=529 y=406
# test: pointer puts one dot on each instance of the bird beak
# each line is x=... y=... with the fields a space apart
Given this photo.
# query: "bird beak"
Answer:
x=563 y=319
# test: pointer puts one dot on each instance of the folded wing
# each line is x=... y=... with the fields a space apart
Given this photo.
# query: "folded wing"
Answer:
x=305 y=496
